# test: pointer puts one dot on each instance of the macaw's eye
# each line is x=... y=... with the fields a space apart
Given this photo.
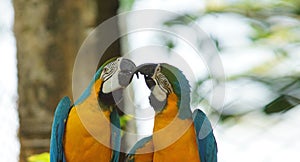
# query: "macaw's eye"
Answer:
x=150 y=82
x=105 y=70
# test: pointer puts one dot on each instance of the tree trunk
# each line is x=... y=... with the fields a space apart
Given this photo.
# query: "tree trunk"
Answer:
x=48 y=35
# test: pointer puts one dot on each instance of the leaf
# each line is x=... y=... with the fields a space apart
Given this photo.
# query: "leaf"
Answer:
x=124 y=119
x=170 y=44
x=126 y=5
x=281 y=104
x=43 y=157
x=181 y=20
x=261 y=30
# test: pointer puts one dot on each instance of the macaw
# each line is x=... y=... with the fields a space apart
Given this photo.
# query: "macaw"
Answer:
x=142 y=151
x=178 y=134
x=89 y=130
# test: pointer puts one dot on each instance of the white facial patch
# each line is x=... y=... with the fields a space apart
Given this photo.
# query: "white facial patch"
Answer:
x=111 y=83
x=159 y=94
x=162 y=80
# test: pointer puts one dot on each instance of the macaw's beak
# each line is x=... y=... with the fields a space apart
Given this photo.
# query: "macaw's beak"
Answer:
x=127 y=71
x=148 y=71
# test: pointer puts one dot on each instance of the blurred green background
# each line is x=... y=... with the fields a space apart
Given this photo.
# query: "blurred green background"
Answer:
x=258 y=42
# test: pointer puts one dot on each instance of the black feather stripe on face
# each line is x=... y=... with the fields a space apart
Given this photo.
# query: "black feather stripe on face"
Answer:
x=149 y=82
x=109 y=70
x=105 y=100
x=170 y=80
x=181 y=88
x=162 y=81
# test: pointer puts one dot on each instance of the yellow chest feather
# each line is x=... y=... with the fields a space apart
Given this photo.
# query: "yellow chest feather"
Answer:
x=87 y=133
x=174 y=139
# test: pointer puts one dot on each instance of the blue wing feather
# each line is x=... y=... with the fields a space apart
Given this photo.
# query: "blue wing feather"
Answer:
x=58 y=129
x=141 y=143
x=207 y=145
x=115 y=135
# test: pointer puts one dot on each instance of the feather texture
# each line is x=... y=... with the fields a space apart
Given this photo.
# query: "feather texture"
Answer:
x=176 y=128
x=207 y=145
x=58 y=130
x=142 y=151
x=86 y=131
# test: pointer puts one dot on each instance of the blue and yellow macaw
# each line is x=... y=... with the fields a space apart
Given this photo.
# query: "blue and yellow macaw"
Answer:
x=142 y=151
x=89 y=130
x=178 y=134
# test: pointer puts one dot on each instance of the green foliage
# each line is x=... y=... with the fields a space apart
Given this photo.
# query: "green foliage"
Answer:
x=170 y=44
x=259 y=15
x=185 y=19
x=281 y=104
x=126 y=5
x=123 y=120
x=274 y=25
x=43 y=157
x=260 y=31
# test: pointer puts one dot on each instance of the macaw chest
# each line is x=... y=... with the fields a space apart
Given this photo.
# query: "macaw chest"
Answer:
x=144 y=154
x=175 y=141
x=87 y=135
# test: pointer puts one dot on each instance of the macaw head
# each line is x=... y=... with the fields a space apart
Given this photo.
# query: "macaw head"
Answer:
x=115 y=74
x=164 y=79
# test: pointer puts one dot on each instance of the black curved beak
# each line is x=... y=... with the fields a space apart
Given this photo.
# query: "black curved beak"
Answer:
x=127 y=71
x=148 y=71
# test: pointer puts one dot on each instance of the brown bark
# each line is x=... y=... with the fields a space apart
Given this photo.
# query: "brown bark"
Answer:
x=48 y=35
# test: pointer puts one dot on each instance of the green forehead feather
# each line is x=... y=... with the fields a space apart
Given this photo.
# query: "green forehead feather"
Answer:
x=96 y=76
x=181 y=87
x=175 y=77
x=108 y=61
x=103 y=65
